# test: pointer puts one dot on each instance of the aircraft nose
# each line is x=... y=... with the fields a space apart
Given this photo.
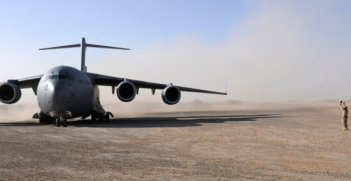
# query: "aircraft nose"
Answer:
x=58 y=95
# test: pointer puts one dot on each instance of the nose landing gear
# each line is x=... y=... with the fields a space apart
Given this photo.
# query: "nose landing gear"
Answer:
x=64 y=122
x=60 y=121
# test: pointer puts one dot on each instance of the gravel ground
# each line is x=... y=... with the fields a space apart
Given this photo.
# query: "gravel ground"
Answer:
x=287 y=143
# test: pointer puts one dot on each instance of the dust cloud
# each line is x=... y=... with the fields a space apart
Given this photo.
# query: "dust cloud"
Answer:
x=24 y=112
x=281 y=51
x=17 y=112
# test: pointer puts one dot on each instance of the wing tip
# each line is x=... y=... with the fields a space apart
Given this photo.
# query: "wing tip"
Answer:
x=225 y=87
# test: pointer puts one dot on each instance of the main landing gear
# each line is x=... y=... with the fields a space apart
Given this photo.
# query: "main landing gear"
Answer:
x=46 y=121
x=43 y=119
x=106 y=117
x=61 y=121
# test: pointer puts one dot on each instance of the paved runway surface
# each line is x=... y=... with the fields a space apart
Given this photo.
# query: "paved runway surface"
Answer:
x=288 y=143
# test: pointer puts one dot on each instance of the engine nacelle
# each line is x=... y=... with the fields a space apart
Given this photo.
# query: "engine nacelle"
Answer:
x=171 y=95
x=9 y=93
x=126 y=91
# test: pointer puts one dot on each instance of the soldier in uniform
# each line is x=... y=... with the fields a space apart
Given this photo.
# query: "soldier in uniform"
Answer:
x=344 y=115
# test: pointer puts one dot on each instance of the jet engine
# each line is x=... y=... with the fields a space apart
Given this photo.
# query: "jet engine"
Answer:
x=9 y=93
x=126 y=91
x=171 y=95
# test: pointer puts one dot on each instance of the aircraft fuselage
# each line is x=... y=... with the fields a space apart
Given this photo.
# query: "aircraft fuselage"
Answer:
x=67 y=92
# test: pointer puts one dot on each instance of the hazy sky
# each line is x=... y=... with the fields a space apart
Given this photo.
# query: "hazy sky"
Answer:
x=268 y=50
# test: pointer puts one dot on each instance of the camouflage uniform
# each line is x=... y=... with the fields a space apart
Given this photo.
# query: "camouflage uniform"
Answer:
x=344 y=115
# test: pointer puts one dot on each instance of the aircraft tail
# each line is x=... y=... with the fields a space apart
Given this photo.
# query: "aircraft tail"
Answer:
x=83 y=46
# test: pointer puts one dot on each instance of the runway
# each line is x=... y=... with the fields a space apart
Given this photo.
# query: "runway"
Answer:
x=299 y=142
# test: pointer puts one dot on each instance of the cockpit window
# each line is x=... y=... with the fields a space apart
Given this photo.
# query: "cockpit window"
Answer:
x=60 y=77
x=47 y=78
x=72 y=77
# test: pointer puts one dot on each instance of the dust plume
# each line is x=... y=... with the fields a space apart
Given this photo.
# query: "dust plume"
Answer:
x=280 y=51
x=17 y=112
x=24 y=112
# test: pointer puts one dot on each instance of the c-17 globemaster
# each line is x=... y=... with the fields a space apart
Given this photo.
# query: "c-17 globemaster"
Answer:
x=65 y=92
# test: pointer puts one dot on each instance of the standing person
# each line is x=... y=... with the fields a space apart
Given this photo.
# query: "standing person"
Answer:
x=344 y=115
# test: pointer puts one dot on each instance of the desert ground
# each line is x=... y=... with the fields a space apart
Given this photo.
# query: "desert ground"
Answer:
x=276 y=141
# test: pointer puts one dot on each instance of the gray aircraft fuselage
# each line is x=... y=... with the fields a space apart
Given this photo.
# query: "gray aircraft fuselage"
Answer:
x=67 y=92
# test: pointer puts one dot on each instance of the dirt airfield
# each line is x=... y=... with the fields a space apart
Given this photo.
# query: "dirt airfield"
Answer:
x=286 y=141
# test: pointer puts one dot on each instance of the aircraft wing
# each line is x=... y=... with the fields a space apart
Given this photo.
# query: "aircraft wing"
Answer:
x=104 y=80
x=29 y=82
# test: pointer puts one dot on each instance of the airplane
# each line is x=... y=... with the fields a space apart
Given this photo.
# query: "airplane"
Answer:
x=65 y=92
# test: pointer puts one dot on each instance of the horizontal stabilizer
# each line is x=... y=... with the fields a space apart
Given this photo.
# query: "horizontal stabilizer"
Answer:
x=101 y=46
x=66 y=46
x=84 y=46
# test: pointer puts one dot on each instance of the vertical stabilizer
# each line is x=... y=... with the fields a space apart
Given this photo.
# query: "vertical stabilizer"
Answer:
x=83 y=49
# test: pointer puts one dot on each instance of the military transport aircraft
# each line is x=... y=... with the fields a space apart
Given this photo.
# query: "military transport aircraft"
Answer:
x=65 y=92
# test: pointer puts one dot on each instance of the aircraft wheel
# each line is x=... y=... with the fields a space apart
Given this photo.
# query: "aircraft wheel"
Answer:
x=107 y=117
x=58 y=122
x=35 y=116
x=41 y=121
x=64 y=122
x=101 y=119
x=93 y=118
